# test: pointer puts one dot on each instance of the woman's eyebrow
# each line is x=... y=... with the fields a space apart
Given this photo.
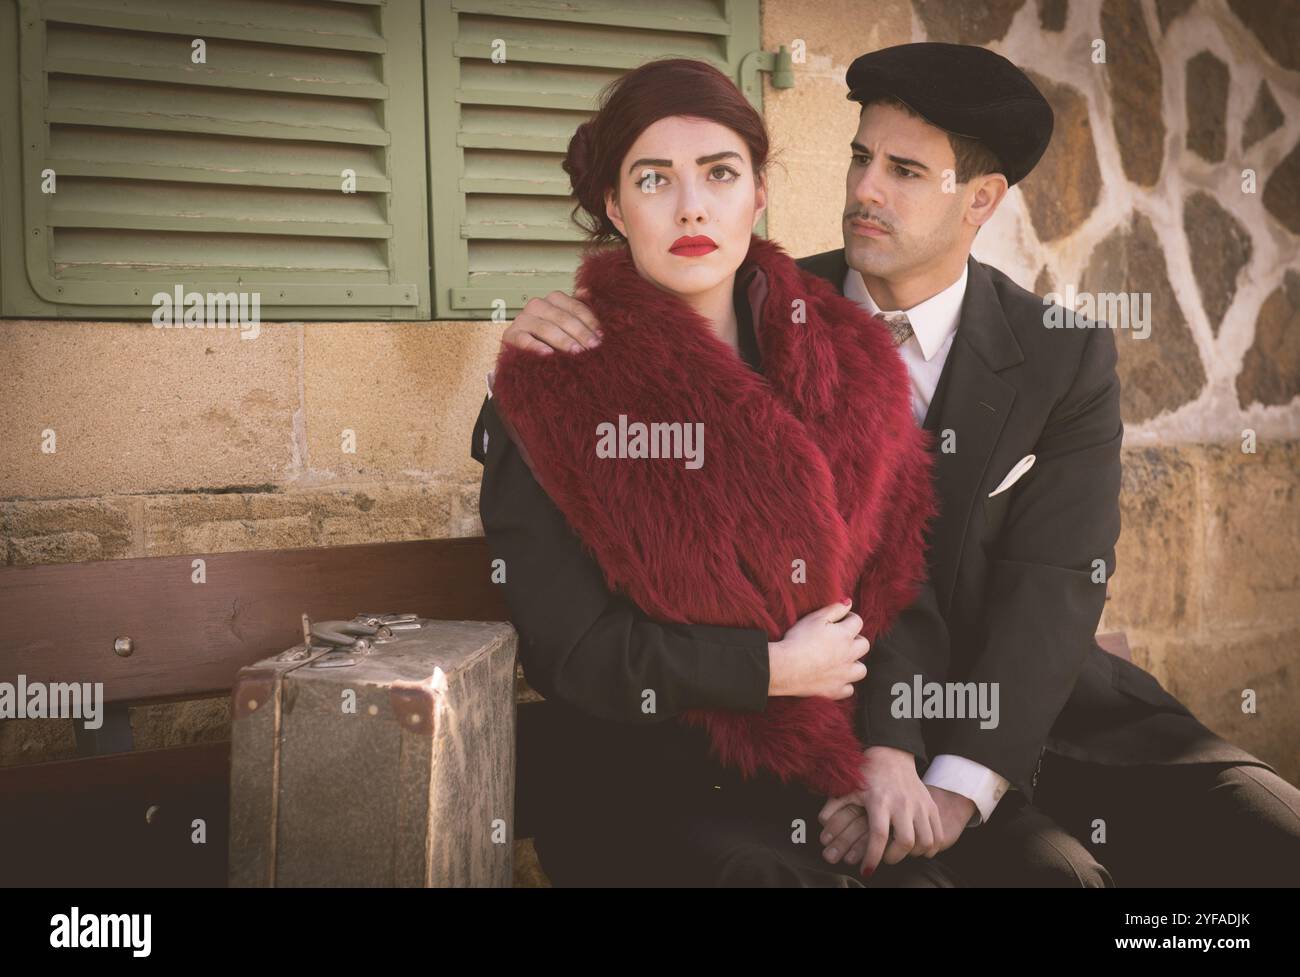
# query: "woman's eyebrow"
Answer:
x=726 y=154
x=701 y=160
x=650 y=162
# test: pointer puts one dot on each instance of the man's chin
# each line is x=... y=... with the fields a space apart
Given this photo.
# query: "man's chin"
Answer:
x=865 y=259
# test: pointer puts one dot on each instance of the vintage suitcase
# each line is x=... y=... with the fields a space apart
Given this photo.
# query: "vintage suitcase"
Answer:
x=379 y=752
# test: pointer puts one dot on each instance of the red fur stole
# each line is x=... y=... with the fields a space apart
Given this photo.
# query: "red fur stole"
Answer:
x=817 y=463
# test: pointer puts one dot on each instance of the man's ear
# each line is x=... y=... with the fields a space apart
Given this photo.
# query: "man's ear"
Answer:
x=987 y=192
x=613 y=212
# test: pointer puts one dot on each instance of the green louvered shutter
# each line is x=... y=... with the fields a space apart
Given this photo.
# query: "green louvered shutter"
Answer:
x=224 y=175
x=498 y=130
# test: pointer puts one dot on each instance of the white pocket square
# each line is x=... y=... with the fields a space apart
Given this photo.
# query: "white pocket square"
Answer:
x=1013 y=476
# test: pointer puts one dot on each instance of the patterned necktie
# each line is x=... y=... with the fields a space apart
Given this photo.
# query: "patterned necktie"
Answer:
x=900 y=328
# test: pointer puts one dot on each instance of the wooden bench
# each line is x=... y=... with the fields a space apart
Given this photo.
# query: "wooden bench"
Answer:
x=117 y=817
x=114 y=816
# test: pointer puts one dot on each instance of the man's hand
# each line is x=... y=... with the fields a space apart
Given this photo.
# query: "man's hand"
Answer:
x=558 y=321
x=894 y=802
x=954 y=814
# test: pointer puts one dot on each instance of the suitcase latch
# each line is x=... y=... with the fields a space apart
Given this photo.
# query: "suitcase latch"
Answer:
x=394 y=622
x=347 y=641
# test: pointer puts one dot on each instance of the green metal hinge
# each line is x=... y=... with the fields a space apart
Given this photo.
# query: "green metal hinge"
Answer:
x=779 y=64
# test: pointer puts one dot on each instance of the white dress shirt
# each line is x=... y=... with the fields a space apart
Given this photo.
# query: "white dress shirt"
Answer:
x=934 y=324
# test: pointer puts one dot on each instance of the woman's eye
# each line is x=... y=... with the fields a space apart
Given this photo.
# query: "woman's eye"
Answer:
x=724 y=174
x=651 y=181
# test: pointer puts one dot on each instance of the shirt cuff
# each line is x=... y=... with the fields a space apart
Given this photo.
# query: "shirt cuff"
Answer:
x=969 y=779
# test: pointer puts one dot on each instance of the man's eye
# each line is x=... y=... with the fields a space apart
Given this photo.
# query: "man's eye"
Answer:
x=860 y=159
x=904 y=171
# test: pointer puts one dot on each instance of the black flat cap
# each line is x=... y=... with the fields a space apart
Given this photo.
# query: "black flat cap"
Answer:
x=964 y=89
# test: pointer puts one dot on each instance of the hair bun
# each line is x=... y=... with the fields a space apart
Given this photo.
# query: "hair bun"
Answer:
x=580 y=165
x=578 y=161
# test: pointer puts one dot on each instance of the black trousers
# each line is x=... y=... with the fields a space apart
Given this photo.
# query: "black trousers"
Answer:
x=700 y=831
x=1090 y=826
x=1181 y=825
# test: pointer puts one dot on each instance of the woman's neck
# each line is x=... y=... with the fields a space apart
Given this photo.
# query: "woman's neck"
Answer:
x=718 y=307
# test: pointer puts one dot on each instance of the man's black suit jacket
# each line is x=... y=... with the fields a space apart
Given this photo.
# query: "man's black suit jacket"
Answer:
x=1014 y=578
x=1012 y=597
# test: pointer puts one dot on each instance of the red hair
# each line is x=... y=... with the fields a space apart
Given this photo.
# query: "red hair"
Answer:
x=630 y=105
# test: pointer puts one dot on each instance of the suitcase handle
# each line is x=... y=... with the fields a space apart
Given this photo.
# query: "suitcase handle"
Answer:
x=345 y=633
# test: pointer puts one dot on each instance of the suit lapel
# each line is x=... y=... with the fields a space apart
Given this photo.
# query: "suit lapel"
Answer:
x=971 y=401
x=829 y=265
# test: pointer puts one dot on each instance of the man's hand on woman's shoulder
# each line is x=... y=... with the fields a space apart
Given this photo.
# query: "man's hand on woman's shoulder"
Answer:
x=556 y=322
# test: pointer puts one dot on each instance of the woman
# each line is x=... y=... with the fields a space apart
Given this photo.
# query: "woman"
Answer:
x=726 y=472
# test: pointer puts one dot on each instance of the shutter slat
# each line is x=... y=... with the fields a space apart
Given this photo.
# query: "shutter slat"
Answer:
x=105 y=53
x=164 y=206
x=700 y=16
x=579 y=45
x=318 y=26
x=494 y=164
x=522 y=232
x=522 y=218
x=176 y=108
x=498 y=172
x=203 y=158
x=266 y=130
x=207 y=254
x=249 y=178
x=546 y=100
x=499 y=122
x=161 y=222
x=506 y=260
x=489 y=140
x=571 y=56
x=548 y=188
x=265 y=83
x=580 y=82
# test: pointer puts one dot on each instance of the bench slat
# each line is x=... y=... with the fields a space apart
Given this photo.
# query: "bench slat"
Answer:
x=191 y=639
x=124 y=819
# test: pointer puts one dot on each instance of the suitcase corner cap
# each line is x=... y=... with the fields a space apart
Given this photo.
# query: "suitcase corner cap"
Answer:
x=415 y=704
x=253 y=691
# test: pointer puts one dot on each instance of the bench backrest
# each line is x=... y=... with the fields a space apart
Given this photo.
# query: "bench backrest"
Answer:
x=190 y=639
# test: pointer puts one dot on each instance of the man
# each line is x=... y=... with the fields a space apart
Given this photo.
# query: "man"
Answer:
x=1089 y=773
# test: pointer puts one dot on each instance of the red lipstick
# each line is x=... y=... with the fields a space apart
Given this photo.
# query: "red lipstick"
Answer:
x=693 y=247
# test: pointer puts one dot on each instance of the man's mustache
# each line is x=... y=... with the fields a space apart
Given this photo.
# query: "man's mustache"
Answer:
x=868 y=216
